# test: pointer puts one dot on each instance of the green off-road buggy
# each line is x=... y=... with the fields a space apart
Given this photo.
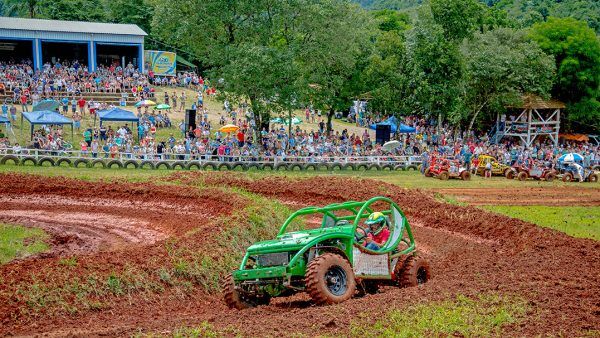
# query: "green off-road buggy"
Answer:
x=330 y=262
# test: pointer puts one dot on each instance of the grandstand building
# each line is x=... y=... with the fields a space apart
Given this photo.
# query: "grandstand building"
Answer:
x=91 y=43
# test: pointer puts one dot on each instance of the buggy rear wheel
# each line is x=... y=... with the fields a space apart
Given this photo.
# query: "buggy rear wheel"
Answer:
x=329 y=279
x=414 y=271
x=550 y=177
x=593 y=178
x=236 y=300
x=510 y=174
x=428 y=173
x=522 y=176
x=568 y=177
x=465 y=175
x=444 y=175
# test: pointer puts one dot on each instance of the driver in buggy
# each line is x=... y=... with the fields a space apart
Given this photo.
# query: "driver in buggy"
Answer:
x=377 y=232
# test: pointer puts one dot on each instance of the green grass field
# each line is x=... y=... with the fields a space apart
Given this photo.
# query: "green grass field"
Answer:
x=582 y=222
x=17 y=242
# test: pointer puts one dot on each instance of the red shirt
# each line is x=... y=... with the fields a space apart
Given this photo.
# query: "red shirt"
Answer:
x=240 y=137
x=81 y=103
x=380 y=238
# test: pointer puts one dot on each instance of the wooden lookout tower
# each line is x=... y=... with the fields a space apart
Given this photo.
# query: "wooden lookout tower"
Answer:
x=538 y=117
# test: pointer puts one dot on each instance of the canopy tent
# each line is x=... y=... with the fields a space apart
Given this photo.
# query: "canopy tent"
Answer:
x=116 y=114
x=4 y=119
x=45 y=117
x=395 y=126
x=49 y=104
x=182 y=61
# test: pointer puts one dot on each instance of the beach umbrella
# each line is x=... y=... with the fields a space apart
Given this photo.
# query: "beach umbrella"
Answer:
x=295 y=120
x=276 y=120
x=391 y=145
x=48 y=104
x=571 y=157
x=163 y=106
x=229 y=128
x=145 y=103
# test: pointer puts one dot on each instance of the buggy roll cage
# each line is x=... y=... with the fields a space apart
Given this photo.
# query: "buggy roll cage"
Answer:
x=360 y=210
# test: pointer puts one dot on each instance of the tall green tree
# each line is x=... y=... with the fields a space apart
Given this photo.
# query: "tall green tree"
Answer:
x=576 y=49
x=29 y=8
x=458 y=18
x=500 y=66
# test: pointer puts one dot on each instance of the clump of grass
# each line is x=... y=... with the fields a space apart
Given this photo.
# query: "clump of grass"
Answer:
x=204 y=329
x=483 y=316
x=17 y=242
x=259 y=220
x=71 y=261
x=448 y=199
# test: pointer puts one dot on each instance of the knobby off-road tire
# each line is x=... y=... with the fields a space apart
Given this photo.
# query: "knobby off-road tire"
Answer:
x=444 y=176
x=329 y=279
x=236 y=300
x=550 y=177
x=413 y=271
x=568 y=177
x=428 y=173
x=522 y=176
x=593 y=178
x=510 y=174
x=465 y=176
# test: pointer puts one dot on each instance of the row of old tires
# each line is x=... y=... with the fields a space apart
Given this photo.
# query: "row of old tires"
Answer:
x=147 y=164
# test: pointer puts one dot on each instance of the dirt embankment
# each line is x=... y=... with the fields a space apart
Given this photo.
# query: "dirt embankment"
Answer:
x=527 y=196
x=471 y=252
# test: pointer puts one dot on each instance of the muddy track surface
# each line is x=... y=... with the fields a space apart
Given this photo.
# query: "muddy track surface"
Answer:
x=470 y=251
x=564 y=196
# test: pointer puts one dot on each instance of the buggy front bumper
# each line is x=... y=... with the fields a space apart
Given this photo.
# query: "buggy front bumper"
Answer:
x=274 y=272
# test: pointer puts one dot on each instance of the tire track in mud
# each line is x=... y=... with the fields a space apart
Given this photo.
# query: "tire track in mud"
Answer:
x=470 y=250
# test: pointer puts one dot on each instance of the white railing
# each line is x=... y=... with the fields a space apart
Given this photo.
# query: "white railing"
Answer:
x=39 y=154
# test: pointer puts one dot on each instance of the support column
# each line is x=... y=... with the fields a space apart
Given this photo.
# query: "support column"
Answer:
x=92 y=56
x=37 y=54
x=141 y=57
x=529 y=128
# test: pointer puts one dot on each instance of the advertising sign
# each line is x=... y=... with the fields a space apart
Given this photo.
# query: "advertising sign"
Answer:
x=161 y=63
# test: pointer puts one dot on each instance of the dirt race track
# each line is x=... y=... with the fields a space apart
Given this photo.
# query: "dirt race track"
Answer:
x=109 y=226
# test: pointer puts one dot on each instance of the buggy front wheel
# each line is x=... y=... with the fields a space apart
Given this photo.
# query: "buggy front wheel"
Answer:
x=236 y=300
x=329 y=279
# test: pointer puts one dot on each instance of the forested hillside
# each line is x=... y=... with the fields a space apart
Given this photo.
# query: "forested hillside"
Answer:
x=524 y=12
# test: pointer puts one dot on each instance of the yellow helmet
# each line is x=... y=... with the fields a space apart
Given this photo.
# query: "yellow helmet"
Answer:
x=376 y=217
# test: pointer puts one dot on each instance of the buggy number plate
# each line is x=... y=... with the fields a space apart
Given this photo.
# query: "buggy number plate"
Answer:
x=274 y=259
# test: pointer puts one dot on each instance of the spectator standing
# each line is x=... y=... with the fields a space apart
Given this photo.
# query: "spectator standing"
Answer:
x=23 y=100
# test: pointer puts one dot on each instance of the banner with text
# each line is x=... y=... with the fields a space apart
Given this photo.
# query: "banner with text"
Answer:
x=161 y=63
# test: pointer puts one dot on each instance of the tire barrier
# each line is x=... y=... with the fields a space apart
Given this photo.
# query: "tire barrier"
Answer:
x=198 y=165
x=335 y=165
x=118 y=163
x=93 y=164
x=361 y=166
x=309 y=166
x=269 y=166
x=135 y=164
x=253 y=166
x=179 y=164
x=295 y=166
x=62 y=160
x=212 y=165
x=224 y=166
x=46 y=160
x=281 y=166
x=7 y=158
x=79 y=161
x=239 y=165
x=29 y=159
x=149 y=164
x=193 y=165
x=166 y=164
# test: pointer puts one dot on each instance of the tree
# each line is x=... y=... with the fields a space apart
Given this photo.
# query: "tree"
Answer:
x=436 y=68
x=458 y=18
x=576 y=49
x=500 y=66
x=22 y=7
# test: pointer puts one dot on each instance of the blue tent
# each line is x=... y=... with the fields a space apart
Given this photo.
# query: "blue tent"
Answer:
x=47 y=104
x=117 y=114
x=393 y=123
x=45 y=117
x=4 y=119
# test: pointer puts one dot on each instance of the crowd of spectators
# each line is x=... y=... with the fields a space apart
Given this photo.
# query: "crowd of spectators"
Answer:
x=68 y=82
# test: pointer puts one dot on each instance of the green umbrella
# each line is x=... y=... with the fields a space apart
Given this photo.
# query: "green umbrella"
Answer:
x=163 y=106
x=277 y=120
x=295 y=120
